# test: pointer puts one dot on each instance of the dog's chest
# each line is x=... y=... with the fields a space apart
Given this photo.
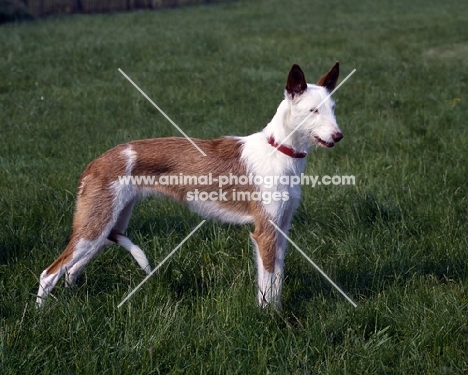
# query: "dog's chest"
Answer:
x=280 y=190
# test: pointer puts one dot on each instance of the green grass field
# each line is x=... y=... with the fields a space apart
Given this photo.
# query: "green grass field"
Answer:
x=396 y=242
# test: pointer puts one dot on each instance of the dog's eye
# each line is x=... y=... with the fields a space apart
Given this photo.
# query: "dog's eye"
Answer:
x=315 y=110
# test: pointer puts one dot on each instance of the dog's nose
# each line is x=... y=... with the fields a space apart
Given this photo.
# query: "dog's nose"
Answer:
x=338 y=136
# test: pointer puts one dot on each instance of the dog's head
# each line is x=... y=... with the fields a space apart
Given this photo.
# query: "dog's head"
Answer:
x=312 y=107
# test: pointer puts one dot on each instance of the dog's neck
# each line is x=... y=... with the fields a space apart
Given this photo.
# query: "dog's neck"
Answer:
x=280 y=128
x=286 y=150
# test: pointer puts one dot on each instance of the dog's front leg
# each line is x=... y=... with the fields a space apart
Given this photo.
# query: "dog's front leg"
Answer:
x=270 y=251
x=270 y=264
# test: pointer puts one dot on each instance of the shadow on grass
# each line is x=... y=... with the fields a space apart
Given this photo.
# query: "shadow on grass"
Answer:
x=390 y=245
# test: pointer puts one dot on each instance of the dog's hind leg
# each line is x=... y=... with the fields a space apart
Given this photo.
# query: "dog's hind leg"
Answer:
x=79 y=251
x=97 y=211
x=73 y=271
x=115 y=236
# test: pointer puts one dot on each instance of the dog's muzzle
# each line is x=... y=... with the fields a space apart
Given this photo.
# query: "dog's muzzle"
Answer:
x=336 y=137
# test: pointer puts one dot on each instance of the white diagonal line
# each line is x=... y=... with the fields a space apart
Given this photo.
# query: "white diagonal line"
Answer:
x=160 y=110
x=311 y=262
x=311 y=113
x=160 y=264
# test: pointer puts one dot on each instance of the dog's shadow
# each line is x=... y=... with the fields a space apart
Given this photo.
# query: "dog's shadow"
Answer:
x=382 y=245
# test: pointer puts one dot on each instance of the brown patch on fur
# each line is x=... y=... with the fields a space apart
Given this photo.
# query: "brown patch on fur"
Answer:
x=64 y=258
x=93 y=208
x=94 y=202
x=157 y=157
x=330 y=78
x=265 y=236
x=154 y=157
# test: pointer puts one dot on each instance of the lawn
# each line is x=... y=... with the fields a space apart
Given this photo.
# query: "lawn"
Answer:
x=396 y=241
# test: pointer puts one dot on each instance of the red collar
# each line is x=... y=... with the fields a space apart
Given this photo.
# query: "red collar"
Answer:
x=286 y=150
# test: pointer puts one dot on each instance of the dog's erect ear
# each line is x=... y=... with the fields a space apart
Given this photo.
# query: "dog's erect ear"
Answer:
x=296 y=83
x=330 y=78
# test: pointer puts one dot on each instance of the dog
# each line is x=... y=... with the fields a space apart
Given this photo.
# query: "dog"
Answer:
x=107 y=191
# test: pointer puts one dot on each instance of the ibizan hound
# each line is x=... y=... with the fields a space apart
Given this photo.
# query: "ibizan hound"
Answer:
x=109 y=187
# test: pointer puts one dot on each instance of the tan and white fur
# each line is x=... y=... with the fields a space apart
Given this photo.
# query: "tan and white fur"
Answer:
x=104 y=205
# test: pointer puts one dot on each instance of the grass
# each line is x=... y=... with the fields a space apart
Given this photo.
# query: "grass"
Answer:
x=396 y=241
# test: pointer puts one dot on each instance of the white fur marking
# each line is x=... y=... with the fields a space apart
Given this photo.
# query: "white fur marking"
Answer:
x=136 y=252
x=131 y=155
